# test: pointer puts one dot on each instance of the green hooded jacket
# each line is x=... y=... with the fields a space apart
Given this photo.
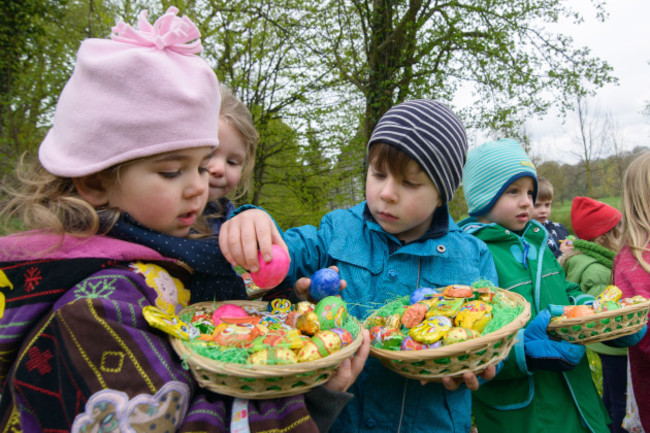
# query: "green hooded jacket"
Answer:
x=593 y=277
x=518 y=400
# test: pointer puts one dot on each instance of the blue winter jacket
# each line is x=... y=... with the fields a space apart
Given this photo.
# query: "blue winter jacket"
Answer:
x=378 y=269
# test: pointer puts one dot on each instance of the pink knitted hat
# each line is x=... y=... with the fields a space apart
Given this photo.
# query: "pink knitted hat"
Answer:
x=142 y=93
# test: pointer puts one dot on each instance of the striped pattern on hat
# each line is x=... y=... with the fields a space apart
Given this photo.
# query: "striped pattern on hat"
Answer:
x=490 y=168
x=431 y=134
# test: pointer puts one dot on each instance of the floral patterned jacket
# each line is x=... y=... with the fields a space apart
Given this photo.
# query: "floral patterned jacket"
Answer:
x=77 y=354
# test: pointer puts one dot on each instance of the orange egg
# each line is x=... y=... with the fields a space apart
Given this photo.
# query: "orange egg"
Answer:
x=579 y=311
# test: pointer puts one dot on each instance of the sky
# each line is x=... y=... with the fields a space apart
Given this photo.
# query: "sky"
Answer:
x=623 y=40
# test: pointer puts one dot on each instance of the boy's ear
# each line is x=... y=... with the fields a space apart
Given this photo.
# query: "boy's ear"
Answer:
x=92 y=189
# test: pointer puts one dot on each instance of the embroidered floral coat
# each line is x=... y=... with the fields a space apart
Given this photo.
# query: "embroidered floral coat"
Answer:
x=77 y=354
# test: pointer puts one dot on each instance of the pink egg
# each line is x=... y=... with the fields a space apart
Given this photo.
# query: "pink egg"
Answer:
x=272 y=273
x=227 y=310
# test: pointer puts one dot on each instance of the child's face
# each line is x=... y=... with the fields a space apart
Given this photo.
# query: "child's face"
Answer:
x=542 y=210
x=228 y=160
x=513 y=209
x=166 y=192
x=402 y=206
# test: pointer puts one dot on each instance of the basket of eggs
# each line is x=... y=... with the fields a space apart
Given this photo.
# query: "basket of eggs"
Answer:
x=256 y=349
x=608 y=317
x=436 y=333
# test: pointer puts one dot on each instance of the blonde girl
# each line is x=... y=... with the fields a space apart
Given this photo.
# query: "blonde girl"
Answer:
x=121 y=181
x=632 y=271
x=231 y=166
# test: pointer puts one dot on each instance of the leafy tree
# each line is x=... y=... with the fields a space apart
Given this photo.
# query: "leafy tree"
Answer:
x=500 y=51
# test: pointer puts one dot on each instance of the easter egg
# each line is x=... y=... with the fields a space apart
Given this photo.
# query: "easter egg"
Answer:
x=331 y=311
x=324 y=282
x=423 y=293
x=579 y=311
x=273 y=356
x=322 y=344
x=272 y=273
x=227 y=310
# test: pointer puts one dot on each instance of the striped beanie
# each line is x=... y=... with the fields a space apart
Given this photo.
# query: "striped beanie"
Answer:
x=432 y=135
x=490 y=168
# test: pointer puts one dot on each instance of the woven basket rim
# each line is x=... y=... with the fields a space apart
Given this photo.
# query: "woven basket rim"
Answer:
x=563 y=323
x=469 y=346
x=258 y=371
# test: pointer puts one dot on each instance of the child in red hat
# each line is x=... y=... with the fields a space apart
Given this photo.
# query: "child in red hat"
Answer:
x=589 y=263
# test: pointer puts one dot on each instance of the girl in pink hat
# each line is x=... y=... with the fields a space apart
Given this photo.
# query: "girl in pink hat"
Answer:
x=114 y=203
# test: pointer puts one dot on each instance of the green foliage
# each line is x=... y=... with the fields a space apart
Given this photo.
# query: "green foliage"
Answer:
x=317 y=76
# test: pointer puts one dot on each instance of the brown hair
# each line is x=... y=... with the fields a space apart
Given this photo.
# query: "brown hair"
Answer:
x=544 y=189
x=389 y=158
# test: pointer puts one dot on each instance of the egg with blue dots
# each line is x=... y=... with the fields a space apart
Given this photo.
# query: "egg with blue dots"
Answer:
x=324 y=282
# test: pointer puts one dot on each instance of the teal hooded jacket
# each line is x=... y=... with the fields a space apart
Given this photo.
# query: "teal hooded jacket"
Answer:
x=378 y=269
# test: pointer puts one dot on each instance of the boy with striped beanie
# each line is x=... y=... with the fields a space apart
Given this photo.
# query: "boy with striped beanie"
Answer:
x=400 y=239
x=540 y=377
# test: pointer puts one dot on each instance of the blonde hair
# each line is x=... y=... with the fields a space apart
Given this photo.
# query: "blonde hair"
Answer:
x=235 y=112
x=544 y=189
x=43 y=201
x=611 y=239
x=635 y=204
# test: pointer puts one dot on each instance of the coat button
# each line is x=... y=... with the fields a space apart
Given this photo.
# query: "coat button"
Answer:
x=392 y=273
x=507 y=232
x=536 y=229
x=441 y=248
x=370 y=423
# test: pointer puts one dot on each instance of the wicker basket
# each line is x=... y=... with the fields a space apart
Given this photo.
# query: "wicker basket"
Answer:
x=258 y=381
x=601 y=326
x=455 y=359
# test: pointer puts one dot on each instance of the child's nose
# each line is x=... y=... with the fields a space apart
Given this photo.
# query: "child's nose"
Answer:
x=217 y=167
x=388 y=191
x=198 y=185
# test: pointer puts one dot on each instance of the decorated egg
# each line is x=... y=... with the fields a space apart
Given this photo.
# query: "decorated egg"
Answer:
x=304 y=307
x=474 y=315
x=458 y=291
x=273 y=356
x=331 y=312
x=324 y=282
x=319 y=346
x=431 y=330
x=308 y=323
x=414 y=315
x=423 y=293
x=408 y=343
x=228 y=310
x=345 y=336
x=458 y=335
x=270 y=274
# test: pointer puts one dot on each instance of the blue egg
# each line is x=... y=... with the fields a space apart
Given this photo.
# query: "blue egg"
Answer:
x=422 y=293
x=324 y=282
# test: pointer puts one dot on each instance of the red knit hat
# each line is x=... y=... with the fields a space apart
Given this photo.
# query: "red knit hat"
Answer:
x=592 y=218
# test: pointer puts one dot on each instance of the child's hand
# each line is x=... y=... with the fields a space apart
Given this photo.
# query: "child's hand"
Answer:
x=350 y=368
x=301 y=287
x=566 y=246
x=242 y=235
x=469 y=379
